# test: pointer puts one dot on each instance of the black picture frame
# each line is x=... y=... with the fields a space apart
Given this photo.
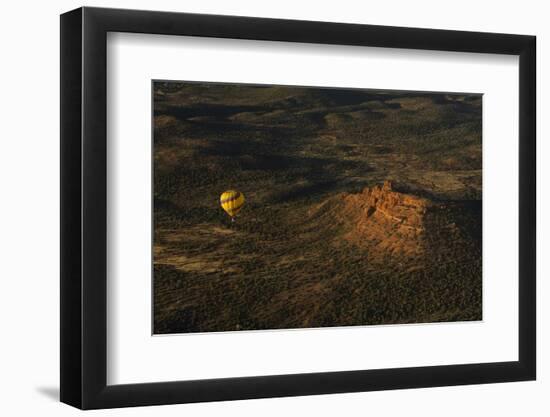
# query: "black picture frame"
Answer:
x=84 y=207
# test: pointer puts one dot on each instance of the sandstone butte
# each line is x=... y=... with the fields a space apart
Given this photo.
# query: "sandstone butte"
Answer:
x=383 y=221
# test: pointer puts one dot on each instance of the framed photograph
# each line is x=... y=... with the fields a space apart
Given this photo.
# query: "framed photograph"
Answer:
x=256 y=208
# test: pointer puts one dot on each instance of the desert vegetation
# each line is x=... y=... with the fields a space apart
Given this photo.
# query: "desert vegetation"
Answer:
x=362 y=207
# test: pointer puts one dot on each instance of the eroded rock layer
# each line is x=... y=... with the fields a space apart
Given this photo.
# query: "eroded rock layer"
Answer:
x=387 y=222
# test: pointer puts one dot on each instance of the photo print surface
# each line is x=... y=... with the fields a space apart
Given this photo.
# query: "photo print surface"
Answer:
x=281 y=207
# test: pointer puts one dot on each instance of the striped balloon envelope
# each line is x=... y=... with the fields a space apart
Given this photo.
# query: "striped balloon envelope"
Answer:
x=232 y=201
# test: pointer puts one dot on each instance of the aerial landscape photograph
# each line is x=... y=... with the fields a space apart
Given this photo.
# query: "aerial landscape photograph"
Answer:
x=286 y=207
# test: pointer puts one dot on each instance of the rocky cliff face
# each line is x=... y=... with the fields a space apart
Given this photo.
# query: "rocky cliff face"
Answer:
x=402 y=210
x=389 y=224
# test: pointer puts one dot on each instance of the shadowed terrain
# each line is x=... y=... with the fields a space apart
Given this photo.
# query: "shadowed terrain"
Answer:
x=362 y=207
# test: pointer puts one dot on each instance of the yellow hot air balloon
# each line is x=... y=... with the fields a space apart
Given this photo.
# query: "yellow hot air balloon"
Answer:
x=232 y=202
